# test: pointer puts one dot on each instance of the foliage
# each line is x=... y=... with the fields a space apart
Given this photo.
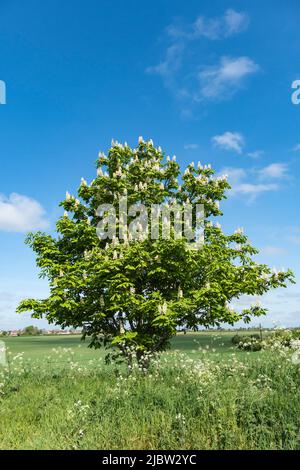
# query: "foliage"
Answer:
x=134 y=294
x=249 y=343
x=31 y=331
x=283 y=338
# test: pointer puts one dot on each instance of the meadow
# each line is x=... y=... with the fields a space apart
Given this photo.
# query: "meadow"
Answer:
x=202 y=394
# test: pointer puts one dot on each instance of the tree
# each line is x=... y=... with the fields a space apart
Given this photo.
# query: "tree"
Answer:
x=31 y=331
x=133 y=293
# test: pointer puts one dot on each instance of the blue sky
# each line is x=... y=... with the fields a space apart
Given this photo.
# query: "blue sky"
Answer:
x=207 y=81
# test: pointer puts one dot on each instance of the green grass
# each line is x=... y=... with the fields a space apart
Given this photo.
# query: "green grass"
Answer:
x=40 y=346
x=201 y=395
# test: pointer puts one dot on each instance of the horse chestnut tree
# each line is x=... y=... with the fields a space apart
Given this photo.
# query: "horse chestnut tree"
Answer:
x=134 y=293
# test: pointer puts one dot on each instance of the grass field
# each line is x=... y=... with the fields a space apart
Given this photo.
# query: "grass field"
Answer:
x=203 y=394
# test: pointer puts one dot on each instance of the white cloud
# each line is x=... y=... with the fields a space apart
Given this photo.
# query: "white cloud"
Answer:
x=272 y=251
x=254 y=189
x=255 y=154
x=229 y=24
x=170 y=65
x=191 y=146
x=221 y=81
x=21 y=214
x=296 y=148
x=192 y=83
x=274 y=171
x=235 y=22
x=235 y=175
x=229 y=141
x=294 y=239
x=238 y=178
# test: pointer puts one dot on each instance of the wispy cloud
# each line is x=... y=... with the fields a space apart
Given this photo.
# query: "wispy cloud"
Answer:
x=296 y=148
x=254 y=189
x=271 y=250
x=251 y=184
x=191 y=146
x=235 y=175
x=295 y=239
x=170 y=65
x=229 y=141
x=221 y=81
x=229 y=24
x=256 y=154
x=274 y=171
x=194 y=83
x=20 y=213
